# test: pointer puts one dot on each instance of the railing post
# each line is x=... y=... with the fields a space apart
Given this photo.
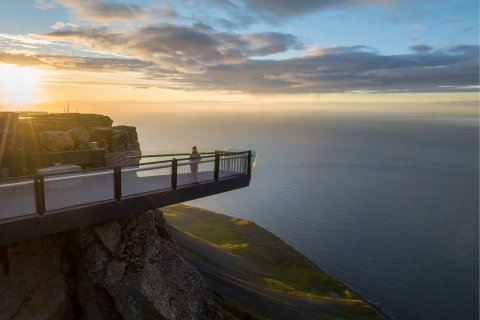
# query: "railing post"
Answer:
x=249 y=163
x=39 y=188
x=117 y=182
x=217 y=167
x=174 y=173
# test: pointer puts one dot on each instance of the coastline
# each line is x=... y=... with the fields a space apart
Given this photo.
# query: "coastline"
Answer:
x=264 y=265
x=374 y=305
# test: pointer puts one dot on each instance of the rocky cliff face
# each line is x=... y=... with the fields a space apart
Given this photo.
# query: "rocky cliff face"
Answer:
x=123 y=269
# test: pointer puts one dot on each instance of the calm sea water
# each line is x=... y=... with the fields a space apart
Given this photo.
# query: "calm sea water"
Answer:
x=386 y=203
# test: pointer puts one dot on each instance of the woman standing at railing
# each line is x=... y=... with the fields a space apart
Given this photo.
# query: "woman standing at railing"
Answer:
x=194 y=159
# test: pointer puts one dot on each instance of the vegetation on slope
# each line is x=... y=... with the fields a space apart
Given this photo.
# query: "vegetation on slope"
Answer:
x=262 y=258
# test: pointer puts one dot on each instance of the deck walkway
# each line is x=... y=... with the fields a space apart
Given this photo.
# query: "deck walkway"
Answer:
x=35 y=206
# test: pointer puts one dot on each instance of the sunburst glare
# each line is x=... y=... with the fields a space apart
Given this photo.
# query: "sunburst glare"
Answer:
x=19 y=85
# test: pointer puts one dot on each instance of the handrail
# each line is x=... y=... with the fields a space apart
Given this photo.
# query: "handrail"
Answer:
x=86 y=171
x=184 y=154
x=70 y=175
x=25 y=182
x=166 y=155
x=138 y=168
x=146 y=163
x=234 y=157
x=40 y=181
x=192 y=161
x=189 y=158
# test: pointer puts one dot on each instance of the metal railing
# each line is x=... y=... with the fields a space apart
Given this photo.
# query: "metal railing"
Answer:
x=41 y=194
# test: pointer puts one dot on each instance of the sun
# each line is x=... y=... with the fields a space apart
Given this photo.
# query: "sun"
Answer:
x=18 y=85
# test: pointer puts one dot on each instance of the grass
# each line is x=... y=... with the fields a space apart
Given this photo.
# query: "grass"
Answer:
x=263 y=258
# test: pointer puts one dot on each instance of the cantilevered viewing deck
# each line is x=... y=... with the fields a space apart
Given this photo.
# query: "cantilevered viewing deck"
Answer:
x=39 y=205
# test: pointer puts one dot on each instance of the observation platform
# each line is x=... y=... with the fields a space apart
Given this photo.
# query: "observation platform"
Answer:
x=39 y=205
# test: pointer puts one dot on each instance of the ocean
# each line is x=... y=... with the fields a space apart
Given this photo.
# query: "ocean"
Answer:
x=385 y=202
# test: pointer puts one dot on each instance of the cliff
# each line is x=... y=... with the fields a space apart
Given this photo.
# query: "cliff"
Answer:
x=123 y=269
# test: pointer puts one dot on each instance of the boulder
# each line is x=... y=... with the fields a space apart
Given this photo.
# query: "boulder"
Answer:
x=55 y=141
x=116 y=139
x=109 y=233
x=80 y=136
x=112 y=140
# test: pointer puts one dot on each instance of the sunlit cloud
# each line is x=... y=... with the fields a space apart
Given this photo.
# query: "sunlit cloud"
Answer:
x=186 y=49
x=75 y=63
x=198 y=58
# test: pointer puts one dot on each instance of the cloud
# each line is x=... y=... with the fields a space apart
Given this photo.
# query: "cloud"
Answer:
x=287 y=8
x=164 y=10
x=421 y=48
x=349 y=69
x=44 y=4
x=199 y=57
x=239 y=14
x=104 y=11
x=75 y=63
x=267 y=43
x=330 y=70
x=186 y=49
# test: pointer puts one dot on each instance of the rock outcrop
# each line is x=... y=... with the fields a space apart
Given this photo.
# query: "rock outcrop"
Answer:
x=124 y=269
x=27 y=140
x=120 y=143
x=80 y=137
x=117 y=138
x=55 y=141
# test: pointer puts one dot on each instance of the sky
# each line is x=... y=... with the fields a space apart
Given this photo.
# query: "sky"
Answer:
x=234 y=53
